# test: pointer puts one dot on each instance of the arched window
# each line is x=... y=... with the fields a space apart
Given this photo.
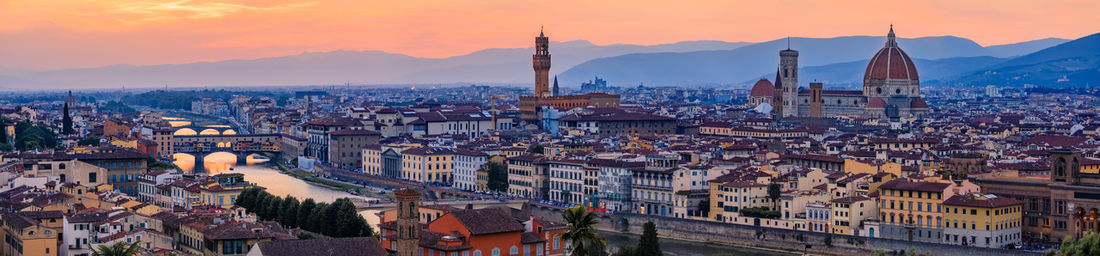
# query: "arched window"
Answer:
x=477 y=252
x=878 y=90
x=496 y=251
x=514 y=250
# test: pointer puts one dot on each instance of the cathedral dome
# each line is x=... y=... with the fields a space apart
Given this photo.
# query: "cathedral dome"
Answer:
x=891 y=63
x=763 y=88
x=876 y=102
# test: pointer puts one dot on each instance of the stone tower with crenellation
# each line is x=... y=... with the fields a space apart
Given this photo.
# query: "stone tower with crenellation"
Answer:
x=408 y=222
x=541 y=62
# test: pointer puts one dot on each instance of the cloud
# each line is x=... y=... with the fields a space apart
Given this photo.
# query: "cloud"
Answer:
x=150 y=11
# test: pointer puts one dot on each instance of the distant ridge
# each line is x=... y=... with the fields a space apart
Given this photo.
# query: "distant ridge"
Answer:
x=687 y=63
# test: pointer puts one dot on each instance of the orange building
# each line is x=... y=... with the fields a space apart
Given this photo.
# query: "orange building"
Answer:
x=481 y=232
x=116 y=128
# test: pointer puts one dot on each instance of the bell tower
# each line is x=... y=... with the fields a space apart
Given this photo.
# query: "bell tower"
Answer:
x=408 y=222
x=541 y=62
x=788 y=66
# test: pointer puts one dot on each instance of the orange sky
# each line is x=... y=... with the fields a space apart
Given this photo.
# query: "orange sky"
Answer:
x=53 y=34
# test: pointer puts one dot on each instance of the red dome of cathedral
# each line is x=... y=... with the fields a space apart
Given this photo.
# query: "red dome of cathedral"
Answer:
x=762 y=88
x=918 y=103
x=891 y=63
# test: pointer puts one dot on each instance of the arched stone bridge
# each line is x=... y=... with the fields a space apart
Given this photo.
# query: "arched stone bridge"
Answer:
x=192 y=130
x=240 y=145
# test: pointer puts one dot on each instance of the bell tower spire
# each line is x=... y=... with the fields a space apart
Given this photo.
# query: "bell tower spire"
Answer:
x=541 y=63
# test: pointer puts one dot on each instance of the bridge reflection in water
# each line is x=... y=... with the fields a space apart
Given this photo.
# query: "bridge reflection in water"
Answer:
x=214 y=163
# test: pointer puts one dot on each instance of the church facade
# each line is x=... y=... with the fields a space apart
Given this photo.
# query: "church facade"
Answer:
x=891 y=89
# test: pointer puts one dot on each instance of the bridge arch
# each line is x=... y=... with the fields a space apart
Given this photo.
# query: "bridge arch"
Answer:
x=185 y=132
x=229 y=132
x=210 y=131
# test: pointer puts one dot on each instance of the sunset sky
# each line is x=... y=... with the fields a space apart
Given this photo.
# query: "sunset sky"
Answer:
x=53 y=34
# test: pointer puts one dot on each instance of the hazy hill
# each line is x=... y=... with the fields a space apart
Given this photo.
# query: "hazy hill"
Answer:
x=1077 y=61
x=752 y=62
x=850 y=74
x=499 y=65
x=682 y=63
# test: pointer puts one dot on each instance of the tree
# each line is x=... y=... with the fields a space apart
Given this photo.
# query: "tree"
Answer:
x=829 y=240
x=649 y=244
x=245 y=199
x=30 y=136
x=67 y=121
x=498 y=176
x=260 y=206
x=582 y=232
x=118 y=249
x=304 y=210
x=774 y=193
x=317 y=219
x=704 y=207
x=346 y=219
x=89 y=141
x=288 y=215
x=271 y=208
x=1088 y=244
x=537 y=149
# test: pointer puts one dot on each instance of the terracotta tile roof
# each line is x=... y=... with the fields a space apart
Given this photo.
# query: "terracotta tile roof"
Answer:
x=902 y=184
x=980 y=201
x=487 y=221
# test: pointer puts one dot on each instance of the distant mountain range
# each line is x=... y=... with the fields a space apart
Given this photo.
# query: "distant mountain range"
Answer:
x=836 y=61
x=498 y=65
x=1072 y=64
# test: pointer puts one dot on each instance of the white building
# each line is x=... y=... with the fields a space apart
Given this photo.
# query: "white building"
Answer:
x=467 y=162
x=567 y=181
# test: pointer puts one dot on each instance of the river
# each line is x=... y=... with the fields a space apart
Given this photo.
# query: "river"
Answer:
x=256 y=170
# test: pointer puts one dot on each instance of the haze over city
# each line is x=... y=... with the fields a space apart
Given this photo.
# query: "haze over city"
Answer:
x=54 y=35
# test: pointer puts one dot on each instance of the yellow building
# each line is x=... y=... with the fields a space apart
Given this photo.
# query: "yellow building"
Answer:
x=913 y=211
x=729 y=198
x=854 y=166
x=982 y=221
x=25 y=235
x=428 y=165
x=222 y=189
x=849 y=212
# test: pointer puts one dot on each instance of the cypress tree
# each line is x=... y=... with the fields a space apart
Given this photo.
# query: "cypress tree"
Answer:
x=258 y=203
x=649 y=245
x=67 y=121
x=289 y=215
x=328 y=220
x=304 y=210
x=273 y=206
x=317 y=218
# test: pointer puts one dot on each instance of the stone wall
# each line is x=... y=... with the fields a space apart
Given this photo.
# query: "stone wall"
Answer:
x=792 y=240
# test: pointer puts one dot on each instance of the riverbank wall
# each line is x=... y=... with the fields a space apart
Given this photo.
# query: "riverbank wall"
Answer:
x=773 y=238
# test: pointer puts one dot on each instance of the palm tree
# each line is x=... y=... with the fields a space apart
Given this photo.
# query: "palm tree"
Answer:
x=582 y=232
x=118 y=249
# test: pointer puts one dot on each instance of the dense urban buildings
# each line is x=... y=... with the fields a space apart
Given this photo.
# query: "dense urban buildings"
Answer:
x=991 y=168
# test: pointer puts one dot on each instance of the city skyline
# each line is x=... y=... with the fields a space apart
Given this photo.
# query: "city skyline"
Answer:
x=45 y=35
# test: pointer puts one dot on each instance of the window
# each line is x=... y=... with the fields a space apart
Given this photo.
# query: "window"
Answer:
x=496 y=252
